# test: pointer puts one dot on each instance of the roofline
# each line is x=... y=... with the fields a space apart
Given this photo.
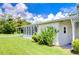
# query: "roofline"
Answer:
x=55 y=20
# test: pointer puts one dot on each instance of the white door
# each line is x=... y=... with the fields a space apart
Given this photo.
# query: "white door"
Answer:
x=65 y=35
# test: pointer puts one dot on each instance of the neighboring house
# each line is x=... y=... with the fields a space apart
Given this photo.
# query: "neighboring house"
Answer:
x=68 y=29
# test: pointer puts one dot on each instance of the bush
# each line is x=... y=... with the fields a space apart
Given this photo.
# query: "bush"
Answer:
x=1 y=27
x=75 y=45
x=8 y=28
x=19 y=30
x=47 y=36
x=34 y=37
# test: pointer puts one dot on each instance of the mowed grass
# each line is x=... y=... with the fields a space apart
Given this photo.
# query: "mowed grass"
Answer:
x=21 y=46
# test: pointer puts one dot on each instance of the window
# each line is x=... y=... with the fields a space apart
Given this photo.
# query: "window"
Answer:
x=64 y=30
x=32 y=30
x=35 y=29
x=77 y=7
x=27 y=30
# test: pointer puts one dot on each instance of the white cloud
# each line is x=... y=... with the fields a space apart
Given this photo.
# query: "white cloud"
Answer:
x=7 y=6
x=69 y=10
x=17 y=10
x=9 y=9
x=50 y=16
x=40 y=18
x=29 y=15
x=59 y=15
x=21 y=10
x=20 y=7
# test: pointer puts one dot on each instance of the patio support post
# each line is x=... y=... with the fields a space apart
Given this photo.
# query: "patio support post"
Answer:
x=25 y=30
x=31 y=30
x=73 y=30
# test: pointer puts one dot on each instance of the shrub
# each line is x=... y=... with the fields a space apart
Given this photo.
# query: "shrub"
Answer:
x=34 y=37
x=47 y=36
x=8 y=28
x=75 y=45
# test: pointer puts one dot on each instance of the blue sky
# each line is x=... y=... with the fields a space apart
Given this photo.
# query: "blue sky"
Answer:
x=45 y=8
x=38 y=10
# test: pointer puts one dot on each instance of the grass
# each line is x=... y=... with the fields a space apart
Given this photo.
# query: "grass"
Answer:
x=21 y=46
x=3 y=35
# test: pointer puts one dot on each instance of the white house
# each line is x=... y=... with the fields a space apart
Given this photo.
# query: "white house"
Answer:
x=68 y=28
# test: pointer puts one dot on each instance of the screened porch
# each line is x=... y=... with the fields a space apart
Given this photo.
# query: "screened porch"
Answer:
x=29 y=30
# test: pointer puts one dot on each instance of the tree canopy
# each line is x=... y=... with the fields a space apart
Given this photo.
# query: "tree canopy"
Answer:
x=10 y=25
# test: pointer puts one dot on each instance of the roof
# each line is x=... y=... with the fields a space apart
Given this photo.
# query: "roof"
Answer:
x=51 y=21
x=54 y=20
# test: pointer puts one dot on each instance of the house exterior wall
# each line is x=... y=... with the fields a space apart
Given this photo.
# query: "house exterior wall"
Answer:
x=77 y=30
x=75 y=27
x=61 y=38
x=65 y=38
x=55 y=25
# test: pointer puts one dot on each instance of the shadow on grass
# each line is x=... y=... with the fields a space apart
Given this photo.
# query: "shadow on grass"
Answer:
x=43 y=44
x=74 y=52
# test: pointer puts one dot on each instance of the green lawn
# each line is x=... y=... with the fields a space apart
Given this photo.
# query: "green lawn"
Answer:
x=21 y=46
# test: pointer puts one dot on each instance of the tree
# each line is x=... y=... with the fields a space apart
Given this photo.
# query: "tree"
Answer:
x=20 y=23
x=1 y=25
x=9 y=27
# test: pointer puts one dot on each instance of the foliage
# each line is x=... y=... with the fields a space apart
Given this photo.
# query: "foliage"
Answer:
x=1 y=28
x=75 y=45
x=1 y=25
x=36 y=37
x=46 y=37
x=20 y=23
x=10 y=25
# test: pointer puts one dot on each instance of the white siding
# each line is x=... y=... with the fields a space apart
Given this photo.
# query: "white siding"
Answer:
x=61 y=38
x=55 y=25
x=75 y=23
x=77 y=30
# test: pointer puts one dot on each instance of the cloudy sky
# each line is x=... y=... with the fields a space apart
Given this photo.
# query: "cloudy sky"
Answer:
x=38 y=11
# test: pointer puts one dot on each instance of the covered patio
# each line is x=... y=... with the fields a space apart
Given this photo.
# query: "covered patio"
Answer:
x=75 y=27
x=29 y=30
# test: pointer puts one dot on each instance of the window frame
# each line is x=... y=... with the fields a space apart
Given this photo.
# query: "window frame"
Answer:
x=64 y=29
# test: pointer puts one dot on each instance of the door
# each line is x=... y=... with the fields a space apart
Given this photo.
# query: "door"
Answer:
x=65 y=35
